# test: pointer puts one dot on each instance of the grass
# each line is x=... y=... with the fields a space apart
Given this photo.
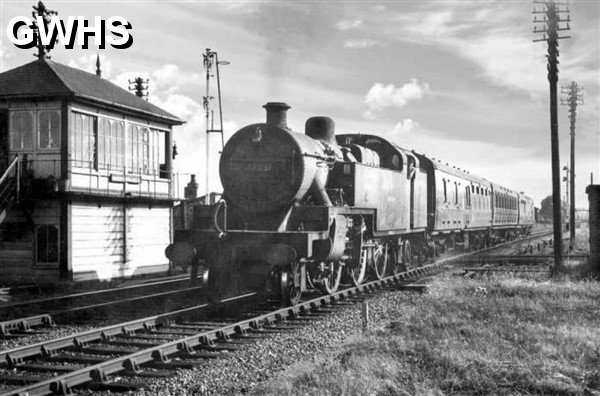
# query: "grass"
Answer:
x=492 y=335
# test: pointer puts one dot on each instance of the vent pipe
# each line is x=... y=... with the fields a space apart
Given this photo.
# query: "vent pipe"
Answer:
x=321 y=128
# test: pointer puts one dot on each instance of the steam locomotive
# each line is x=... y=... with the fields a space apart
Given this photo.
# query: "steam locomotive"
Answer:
x=303 y=211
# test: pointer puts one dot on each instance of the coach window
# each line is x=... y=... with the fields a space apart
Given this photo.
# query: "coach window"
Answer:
x=455 y=193
x=46 y=239
x=48 y=129
x=21 y=126
x=445 y=192
x=468 y=197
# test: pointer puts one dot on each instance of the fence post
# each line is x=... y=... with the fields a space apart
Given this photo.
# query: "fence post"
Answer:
x=364 y=313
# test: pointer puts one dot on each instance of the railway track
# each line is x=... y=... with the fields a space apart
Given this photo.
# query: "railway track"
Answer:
x=48 y=312
x=92 y=358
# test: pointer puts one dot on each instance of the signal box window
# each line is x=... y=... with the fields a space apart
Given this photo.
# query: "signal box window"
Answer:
x=111 y=144
x=84 y=141
x=21 y=126
x=46 y=239
x=48 y=129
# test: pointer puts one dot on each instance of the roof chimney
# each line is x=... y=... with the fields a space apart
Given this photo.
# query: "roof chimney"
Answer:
x=277 y=113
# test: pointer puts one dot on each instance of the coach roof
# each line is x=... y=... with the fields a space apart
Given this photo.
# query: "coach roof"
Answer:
x=44 y=78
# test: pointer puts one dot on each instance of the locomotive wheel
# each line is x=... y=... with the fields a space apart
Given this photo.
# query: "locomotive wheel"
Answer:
x=290 y=281
x=357 y=272
x=396 y=258
x=329 y=276
x=218 y=283
x=380 y=261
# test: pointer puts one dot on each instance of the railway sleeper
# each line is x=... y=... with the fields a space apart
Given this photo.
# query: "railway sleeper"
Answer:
x=110 y=350
x=41 y=367
x=149 y=373
x=78 y=358
x=114 y=386
x=219 y=347
x=135 y=343
x=172 y=365
x=20 y=378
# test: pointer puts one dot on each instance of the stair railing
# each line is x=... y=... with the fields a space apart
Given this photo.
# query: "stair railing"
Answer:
x=10 y=184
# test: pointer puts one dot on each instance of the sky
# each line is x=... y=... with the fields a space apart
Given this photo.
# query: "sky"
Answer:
x=461 y=81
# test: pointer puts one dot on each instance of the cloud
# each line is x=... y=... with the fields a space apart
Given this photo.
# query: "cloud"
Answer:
x=88 y=63
x=405 y=126
x=348 y=24
x=5 y=54
x=363 y=43
x=484 y=34
x=169 y=78
x=382 y=96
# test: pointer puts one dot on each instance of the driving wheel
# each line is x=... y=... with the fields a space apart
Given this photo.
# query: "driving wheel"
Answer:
x=290 y=283
x=328 y=276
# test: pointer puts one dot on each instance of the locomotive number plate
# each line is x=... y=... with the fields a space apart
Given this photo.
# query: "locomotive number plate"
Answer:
x=253 y=166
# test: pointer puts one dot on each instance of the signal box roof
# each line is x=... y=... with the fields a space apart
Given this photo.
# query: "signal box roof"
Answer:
x=44 y=78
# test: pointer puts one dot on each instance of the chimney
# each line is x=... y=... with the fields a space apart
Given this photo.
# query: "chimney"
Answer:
x=277 y=114
x=191 y=191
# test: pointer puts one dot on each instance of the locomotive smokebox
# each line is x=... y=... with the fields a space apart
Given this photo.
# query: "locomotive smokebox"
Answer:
x=321 y=128
x=277 y=114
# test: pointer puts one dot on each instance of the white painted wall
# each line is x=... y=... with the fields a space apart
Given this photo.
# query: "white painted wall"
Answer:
x=98 y=235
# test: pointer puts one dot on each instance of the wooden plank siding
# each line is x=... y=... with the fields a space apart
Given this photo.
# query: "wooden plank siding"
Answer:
x=148 y=234
x=99 y=233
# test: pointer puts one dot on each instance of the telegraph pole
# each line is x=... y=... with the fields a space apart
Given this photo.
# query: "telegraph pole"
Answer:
x=46 y=14
x=574 y=97
x=211 y=62
x=140 y=87
x=551 y=20
x=566 y=180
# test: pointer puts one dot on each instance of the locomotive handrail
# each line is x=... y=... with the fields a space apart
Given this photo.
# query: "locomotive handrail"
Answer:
x=328 y=158
x=222 y=203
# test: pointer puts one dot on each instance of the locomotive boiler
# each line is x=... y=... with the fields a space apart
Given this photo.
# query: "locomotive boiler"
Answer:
x=314 y=209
